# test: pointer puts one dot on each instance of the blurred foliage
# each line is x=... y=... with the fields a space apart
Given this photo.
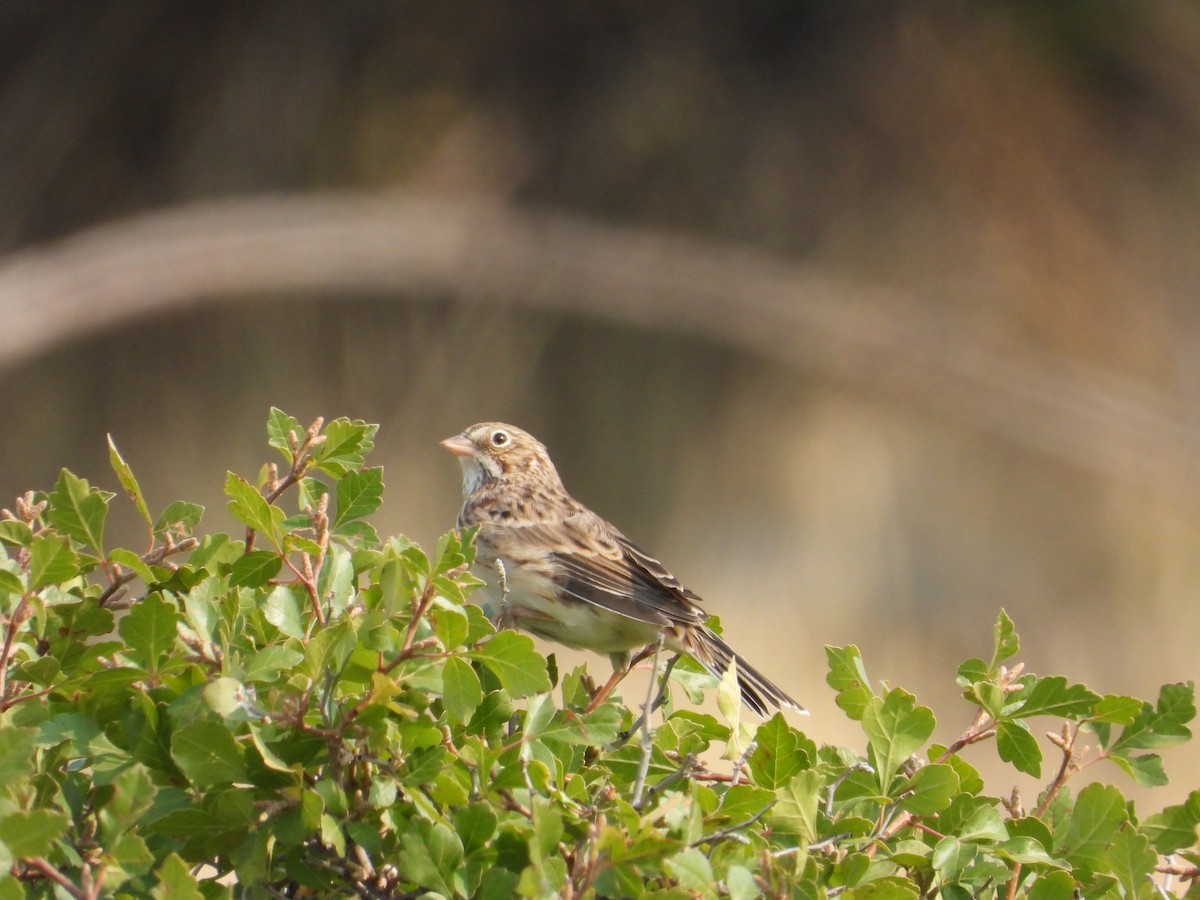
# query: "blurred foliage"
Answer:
x=185 y=722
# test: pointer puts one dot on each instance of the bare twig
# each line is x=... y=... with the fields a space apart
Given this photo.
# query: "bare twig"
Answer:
x=639 y=783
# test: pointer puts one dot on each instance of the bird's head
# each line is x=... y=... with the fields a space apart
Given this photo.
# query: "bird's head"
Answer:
x=492 y=451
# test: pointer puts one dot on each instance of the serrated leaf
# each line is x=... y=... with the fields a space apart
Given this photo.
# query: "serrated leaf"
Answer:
x=175 y=881
x=1147 y=769
x=252 y=509
x=79 y=510
x=932 y=788
x=1052 y=696
x=512 y=658
x=1131 y=860
x=179 y=515
x=896 y=729
x=429 y=855
x=358 y=494
x=345 y=447
x=1017 y=746
x=15 y=534
x=128 y=482
x=51 y=561
x=795 y=810
x=780 y=752
x=208 y=755
x=693 y=872
x=461 y=691
x=267 y=663
x=149 y=629
x=890 y=888
x=279 y=426
x=1172 y=829
x=16 y=754
x=848 y=677
x=1117 y=710
x=1163 y=725
x=29 y=833
x=255 y=569
x=1098 y=814
x=1006 y=642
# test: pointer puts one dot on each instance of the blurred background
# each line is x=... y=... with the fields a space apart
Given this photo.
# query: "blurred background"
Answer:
x=869 y=319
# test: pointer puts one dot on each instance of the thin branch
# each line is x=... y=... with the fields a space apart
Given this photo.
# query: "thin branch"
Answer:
x=47 y=870
x=639 y=783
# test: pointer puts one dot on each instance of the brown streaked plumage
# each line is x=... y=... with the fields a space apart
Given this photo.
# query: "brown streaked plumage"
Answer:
x=556 y=569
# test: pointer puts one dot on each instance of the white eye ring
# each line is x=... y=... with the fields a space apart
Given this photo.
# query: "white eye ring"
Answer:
x=499 y=438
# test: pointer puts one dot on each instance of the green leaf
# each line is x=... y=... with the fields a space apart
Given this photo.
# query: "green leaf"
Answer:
x=1098 y=814
x=149 y=629
x=208 y=755
x=461 y=691
x=11 y=583
x=1007 y=644
x=1117 y=710
x=267 y=663
x=475 y=825
x=15 y=534
x=1172 y=829
x=1053 y=886
x=224 y=696
x=16 y=754
x=255 y=568
x=780 y=752
x=79 y=510
x=1052 y=696
x=358 y=494
x=1131 y=860
x=896 y=729
x=693 y=872
x=252 y=509
x=1163 y=725
x=175 y=881
x=932 y=787
x=795 y=810
x=279 y=426
x=128 y=482
x=429 y=855
x=345 y=447
x=133 y=563
x=1017 y=746
x=891 y=888
x=511 y=657
x=283 y=611
x=179 y=515
x=51 y=561
x=1028 y=852
x=1147 y=769
x=29 y=833
x=848 y=677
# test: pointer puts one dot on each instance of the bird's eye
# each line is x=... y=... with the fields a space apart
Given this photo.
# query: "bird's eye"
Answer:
x=499 y=438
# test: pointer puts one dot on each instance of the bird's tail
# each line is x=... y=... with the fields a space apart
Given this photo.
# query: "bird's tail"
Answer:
x=716 y=656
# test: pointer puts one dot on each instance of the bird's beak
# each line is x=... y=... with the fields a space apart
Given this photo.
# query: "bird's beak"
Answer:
x=459 y=445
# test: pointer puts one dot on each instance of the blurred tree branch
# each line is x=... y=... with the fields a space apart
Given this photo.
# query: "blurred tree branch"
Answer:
x=865 y=337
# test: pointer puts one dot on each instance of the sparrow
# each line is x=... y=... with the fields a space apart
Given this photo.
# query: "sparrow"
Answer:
x=554 y=568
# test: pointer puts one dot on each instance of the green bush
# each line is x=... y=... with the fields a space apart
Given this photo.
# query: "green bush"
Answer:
x=309 y=710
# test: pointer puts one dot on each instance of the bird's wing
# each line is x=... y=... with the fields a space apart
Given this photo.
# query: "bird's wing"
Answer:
x=597 y=564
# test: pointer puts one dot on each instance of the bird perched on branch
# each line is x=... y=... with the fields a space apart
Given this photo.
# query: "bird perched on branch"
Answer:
x=556 y=569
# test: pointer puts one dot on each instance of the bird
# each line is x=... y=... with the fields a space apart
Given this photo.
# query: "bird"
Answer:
x=559 y=571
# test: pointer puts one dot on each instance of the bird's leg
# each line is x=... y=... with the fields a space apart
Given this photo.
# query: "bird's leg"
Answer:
x=619 y=672
x=624 y=736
